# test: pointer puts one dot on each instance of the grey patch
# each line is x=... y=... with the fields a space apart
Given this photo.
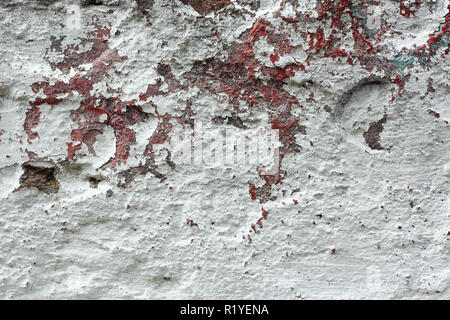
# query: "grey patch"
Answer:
x=128 y=176
x=145 y=5
x=56 y=43
x=218 y=120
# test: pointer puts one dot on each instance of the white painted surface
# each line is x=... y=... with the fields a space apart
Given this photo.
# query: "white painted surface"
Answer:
x=79 y=243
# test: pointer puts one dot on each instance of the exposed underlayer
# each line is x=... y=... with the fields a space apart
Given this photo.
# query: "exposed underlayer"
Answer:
x=98 y=97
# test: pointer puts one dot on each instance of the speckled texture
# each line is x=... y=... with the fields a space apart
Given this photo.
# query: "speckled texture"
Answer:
x=95 y=95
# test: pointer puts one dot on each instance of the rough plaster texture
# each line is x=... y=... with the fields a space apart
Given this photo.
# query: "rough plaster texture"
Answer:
x=93 y=94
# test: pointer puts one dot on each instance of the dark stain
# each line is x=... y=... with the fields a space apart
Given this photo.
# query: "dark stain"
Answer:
x=206 y=6
x=93 y=182
x=169 y=161
x=327 y=108
x=127 y=176
x=91 y=3
x=191 y=223
x=263 y=193
x=187 y=117
x=233 y=120
x=145 y=6
x=41 y=178
x=372 y=135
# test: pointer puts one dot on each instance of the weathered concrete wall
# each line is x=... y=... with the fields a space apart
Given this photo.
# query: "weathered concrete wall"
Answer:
x=97 y=201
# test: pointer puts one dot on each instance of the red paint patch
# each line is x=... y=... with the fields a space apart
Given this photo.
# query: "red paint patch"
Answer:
x=32 y=119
